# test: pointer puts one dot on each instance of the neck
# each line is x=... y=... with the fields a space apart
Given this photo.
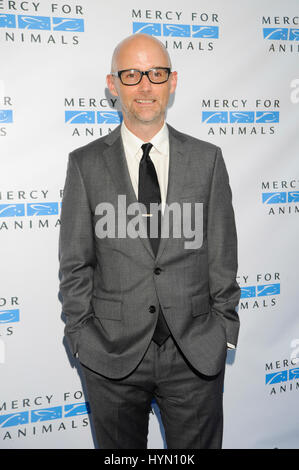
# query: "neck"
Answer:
x=144 y=131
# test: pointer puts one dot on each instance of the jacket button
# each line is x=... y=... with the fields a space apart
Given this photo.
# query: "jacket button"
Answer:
x=152 y=309
x=157 y=271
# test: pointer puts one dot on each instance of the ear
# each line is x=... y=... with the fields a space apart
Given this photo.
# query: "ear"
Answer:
x=173 y=81
x=110 y=79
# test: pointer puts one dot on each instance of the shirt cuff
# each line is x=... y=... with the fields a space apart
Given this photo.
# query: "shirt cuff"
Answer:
x=230 y=346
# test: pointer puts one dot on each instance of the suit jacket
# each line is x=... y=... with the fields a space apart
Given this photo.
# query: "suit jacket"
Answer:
x=111 y=288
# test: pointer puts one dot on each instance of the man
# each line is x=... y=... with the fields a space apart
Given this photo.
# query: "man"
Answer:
x=149 y=316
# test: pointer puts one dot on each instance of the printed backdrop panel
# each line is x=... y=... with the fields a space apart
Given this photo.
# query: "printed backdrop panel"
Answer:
x=238 y=88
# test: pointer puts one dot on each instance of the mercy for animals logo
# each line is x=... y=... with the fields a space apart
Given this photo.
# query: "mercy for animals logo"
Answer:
x=41 y=23
x=179 y=30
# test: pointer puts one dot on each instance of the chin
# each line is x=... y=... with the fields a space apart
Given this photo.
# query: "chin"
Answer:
x=148 y=119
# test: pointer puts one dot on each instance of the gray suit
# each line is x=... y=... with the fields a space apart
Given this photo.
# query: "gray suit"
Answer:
x=111 y=288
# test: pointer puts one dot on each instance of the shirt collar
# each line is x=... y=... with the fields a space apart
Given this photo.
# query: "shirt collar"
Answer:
x=159 y=141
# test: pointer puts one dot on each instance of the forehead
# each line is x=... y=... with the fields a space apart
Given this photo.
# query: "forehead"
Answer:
x=141 y=54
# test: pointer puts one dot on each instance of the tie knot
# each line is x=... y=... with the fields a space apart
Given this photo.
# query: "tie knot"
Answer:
x=146 y=148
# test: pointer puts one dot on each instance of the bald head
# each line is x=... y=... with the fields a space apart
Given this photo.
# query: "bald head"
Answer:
x=138 y=46
x=144 y=103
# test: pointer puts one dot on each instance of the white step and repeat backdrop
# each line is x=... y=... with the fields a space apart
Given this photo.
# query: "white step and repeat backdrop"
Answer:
x=238 y=88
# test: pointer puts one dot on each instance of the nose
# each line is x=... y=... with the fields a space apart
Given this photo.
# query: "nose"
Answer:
x=145 y=84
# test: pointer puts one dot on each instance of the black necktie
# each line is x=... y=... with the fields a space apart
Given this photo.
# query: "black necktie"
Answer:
x=149 y=192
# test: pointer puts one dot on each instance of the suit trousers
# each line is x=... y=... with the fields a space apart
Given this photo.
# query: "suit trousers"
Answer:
x=190 y=403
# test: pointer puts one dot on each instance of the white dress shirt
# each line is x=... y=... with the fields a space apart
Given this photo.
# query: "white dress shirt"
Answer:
x=159 y=154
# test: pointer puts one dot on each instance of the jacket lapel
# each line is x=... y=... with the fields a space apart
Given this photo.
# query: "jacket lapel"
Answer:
x=178 y=163
x=116 y=163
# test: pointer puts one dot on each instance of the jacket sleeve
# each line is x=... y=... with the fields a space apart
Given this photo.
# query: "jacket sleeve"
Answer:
x=76 y=254
x=222 y=251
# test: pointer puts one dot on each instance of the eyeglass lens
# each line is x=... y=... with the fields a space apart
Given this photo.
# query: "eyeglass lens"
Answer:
x=132 y=77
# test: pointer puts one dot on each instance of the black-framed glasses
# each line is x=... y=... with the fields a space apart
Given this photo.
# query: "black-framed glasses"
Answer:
x=133 y=77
